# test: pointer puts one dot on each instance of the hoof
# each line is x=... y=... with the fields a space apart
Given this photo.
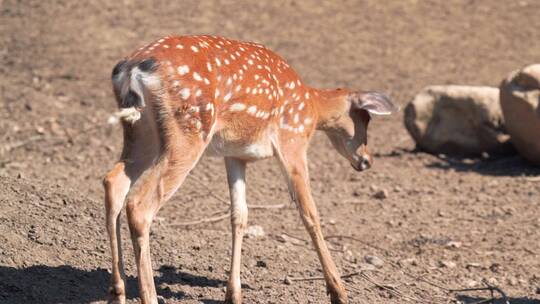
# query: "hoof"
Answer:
x=339 y=297
x=119 y=299
x=117 y=295
x=231 y=298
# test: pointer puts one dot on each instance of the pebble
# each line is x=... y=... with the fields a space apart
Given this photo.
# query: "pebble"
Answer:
x=407 y=261
x=381 y=194
x=447 y=264
x=473 y=265
x=373 y=260
x=287 y=239
x=471 y=283
x=254 y=231
x=367 y=267
x=453 y=244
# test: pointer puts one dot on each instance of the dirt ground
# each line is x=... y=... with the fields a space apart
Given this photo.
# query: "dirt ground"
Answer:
x=445 y=223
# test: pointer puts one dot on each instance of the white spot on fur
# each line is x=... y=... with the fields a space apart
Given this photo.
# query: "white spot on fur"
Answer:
x=184 y=93
x=227 y=97
x=252 y=110
x=183 y=70
x=236 y=107
x=197 y=77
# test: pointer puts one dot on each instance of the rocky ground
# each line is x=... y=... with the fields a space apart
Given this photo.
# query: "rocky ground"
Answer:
x=414 y=226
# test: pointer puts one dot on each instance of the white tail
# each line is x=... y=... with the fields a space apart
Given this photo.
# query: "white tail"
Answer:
x=235 y=99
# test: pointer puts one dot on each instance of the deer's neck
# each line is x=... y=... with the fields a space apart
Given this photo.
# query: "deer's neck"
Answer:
x=330 y=105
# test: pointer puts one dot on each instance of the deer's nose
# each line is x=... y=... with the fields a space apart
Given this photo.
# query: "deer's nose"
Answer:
x=365 y=162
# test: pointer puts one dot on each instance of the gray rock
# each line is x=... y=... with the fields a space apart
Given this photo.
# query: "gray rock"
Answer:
x=520 y=103
x=458 y=120
x=254 y=231
x=373 y=260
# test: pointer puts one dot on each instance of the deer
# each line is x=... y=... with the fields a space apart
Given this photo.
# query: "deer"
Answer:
x=180 y=97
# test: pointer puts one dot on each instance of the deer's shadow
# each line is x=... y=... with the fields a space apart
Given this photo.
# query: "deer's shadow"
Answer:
x=471 y=299
x=66 y=284
x=509 y=165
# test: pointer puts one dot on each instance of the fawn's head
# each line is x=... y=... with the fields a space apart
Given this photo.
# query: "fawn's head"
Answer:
x=346 y=123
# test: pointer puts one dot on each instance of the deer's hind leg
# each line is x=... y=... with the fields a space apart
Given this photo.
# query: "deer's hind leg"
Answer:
x=137 y=156
x=154 y=188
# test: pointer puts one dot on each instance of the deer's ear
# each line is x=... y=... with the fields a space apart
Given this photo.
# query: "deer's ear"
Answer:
x=374 y=102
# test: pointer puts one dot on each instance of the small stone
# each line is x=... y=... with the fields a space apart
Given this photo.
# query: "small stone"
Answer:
x=407 y=262
x=381 y=194
x=473 y=265
x=471 y=283
x=495 y=267
x=287 y=280
x=447 y=264
x=453 y=244
x=287 y=239
x=40 y=130
x=367 y=267
x=254 y=231
x=113 y=120
x=349 y=256
x=373 y=260
x=512 y=281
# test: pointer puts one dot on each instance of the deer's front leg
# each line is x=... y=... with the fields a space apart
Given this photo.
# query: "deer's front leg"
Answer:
x=116 y=185
x=296 y=167
x=236 y=177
